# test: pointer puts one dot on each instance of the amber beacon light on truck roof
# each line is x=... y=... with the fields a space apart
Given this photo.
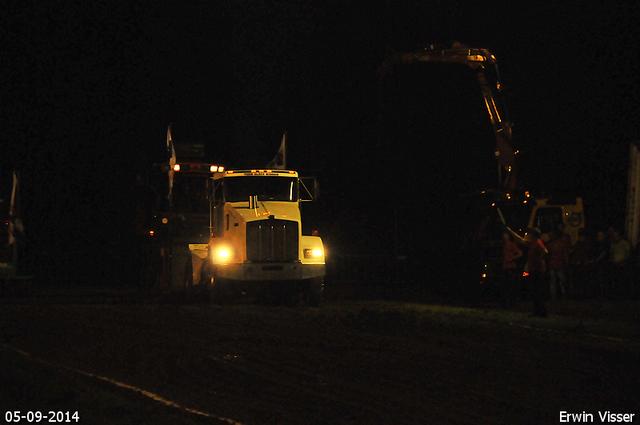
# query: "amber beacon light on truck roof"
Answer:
x=189 y=167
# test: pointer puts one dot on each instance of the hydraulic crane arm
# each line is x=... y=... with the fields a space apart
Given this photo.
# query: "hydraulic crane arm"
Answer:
x=480 y=60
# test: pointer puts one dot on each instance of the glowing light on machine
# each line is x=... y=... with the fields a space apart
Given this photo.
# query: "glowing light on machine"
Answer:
x=197 y=167
x=313 y=253
x=221 y=254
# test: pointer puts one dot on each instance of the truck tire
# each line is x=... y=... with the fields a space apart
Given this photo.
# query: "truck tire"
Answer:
x=219 y=291
x=181 y=268
x=313 y=291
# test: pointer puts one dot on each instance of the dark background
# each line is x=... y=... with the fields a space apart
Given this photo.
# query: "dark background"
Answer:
x=89 y=88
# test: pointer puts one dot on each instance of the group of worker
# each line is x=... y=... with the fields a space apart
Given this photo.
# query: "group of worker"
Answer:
x=601 y=269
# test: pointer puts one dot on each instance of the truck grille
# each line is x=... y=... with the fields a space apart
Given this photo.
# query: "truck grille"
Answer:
x=272 y=241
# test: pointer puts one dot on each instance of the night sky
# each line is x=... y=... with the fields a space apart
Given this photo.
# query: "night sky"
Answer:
x=88 y=89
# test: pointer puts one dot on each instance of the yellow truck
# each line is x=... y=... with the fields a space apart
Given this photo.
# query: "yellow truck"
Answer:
x=256 y=242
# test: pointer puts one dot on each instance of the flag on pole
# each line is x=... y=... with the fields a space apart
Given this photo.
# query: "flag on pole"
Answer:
x=279 y=162
x=15 y=224
x=171 y=152
x=501 y=217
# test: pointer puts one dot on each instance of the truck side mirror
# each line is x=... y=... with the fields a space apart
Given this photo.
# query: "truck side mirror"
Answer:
x=308 y=189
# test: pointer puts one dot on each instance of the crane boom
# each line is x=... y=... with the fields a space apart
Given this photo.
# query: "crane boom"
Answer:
x=479 y=60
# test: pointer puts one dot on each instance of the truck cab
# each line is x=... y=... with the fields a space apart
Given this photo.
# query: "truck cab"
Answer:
x=256 y=241
x=548 y=213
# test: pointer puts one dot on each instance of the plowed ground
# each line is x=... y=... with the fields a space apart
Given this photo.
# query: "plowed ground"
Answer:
x=348 y=362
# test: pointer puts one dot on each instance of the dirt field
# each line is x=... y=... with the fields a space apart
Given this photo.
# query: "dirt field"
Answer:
x=348 y=362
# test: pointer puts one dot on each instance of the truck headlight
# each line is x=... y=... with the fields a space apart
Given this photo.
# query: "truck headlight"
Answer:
x=221 y=254
x=313 y=253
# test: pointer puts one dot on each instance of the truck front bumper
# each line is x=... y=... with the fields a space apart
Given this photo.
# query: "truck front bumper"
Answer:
x=270 y=271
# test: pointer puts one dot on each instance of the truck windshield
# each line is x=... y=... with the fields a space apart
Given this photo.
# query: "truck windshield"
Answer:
x=239 y=189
